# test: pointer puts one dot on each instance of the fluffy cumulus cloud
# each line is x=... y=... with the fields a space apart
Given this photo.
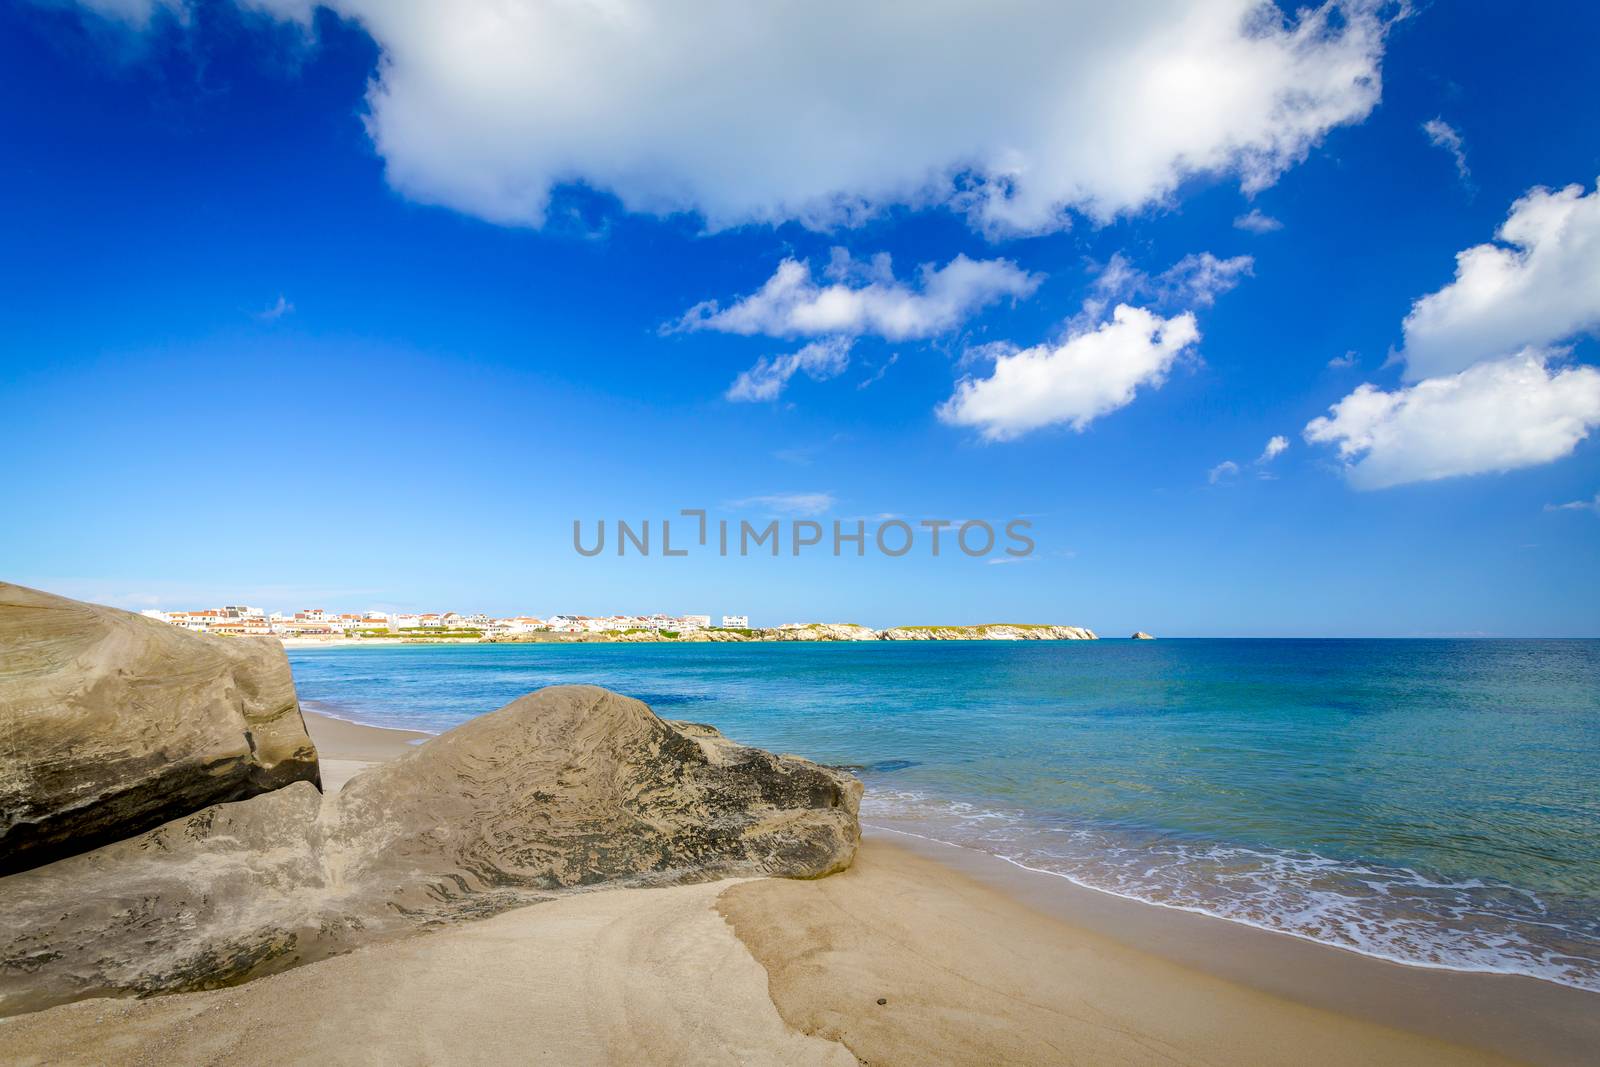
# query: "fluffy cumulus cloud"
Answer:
x=819 y=361
x=1089 y=374
x=1277 y=445
x=865 y=298
x=1537 y=285
x=1496 y=416
x=831 y=111
x=1490 y=393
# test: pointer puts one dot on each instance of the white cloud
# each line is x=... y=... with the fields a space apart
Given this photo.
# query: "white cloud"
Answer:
x=277 y=311
x=831 y=111
x=1089 y=374
x=1276 y=446
x=1577 y=505
x=790 y=503
x=819 y=360
x=1479 y=351
x=1196 y=280
x=1496 y=416
x=877 y=376
x=136 y=13
x=865 y=298
x=1341 y=362
x=1254 y=221
x=1228 y=470
x=1222 y=471
x=1443 y=135
x=1538 y=286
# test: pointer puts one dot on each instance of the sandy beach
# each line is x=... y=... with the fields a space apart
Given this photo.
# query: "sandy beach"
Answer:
x=917 y=954
x=346 y=748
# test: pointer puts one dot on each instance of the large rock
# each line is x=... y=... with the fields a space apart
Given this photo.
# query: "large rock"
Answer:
x=111 y=723
x=565 y=789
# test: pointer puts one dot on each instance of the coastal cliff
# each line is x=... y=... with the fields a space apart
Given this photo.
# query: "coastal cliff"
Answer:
x=821 y=631
x=113 y=724
x=999 y=631
x=826 y=631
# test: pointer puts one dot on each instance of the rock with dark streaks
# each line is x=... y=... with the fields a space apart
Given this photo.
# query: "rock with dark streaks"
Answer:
x=112 y=723
x=565 y=789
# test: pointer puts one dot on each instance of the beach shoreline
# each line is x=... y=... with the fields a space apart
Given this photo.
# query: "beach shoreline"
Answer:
x=1506 y=1015
x=919 y=952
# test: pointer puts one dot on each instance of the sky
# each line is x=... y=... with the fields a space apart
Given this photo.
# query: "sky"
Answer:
x=1267 y=321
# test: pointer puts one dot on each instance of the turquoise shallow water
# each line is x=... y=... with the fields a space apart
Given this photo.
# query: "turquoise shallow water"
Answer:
x=1432 y=802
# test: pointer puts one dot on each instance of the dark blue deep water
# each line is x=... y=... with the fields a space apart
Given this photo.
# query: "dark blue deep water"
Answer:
x=1432 y=802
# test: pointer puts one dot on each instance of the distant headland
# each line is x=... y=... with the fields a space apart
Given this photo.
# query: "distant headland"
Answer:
x=808 y=631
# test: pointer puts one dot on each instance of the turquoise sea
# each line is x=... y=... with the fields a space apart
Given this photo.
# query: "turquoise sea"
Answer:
x=1430 y=802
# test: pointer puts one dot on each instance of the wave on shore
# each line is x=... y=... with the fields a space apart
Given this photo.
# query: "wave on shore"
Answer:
x=1391 y=913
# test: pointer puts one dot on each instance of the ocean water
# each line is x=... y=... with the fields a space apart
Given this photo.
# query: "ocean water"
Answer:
x=1431 y=802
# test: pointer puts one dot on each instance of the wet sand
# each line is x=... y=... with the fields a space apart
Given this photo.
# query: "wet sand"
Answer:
x=344 y=749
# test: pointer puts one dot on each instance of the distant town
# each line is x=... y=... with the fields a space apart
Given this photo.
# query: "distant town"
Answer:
x=317 y=622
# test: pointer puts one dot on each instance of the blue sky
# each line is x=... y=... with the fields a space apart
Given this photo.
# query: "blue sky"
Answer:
x=299 y=312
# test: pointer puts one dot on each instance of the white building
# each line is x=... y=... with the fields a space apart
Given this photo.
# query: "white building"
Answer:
x=736 y=622
x=199 y=621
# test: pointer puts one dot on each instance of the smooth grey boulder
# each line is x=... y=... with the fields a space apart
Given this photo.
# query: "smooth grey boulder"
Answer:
x=112 y=723
x=566 y=789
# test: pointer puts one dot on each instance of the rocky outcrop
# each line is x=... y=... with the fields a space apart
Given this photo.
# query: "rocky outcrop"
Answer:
x=111 y=723
x=822 y=631
x=794 y=631
x=720 y=636
x=999 y=631
x=1140 y=635
x=576 y=785
x=568 y=788
x=849 y=631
